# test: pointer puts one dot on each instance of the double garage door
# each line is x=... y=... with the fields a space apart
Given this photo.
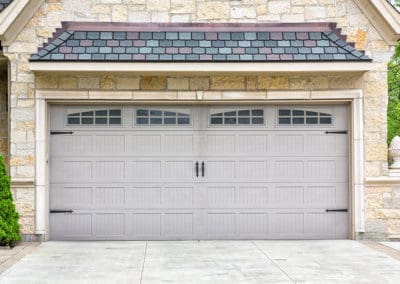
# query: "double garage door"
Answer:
x=207 y=172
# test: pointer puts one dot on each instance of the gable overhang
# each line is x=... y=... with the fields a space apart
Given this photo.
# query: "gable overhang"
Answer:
x=203 y=67
x=15 y=17
x=384 y=17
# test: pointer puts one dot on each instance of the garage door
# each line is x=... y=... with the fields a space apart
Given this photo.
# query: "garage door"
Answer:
x=171 y=173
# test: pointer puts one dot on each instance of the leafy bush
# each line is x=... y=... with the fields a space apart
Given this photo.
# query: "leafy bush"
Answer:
x=394 y=96
x=393 y=113
x=9 y=227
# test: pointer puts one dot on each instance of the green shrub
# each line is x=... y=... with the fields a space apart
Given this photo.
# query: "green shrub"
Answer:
x=9 y=227
x=393 y=114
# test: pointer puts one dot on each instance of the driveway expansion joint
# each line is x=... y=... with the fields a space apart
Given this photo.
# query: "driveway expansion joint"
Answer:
x=144 y=260
x=274 y=262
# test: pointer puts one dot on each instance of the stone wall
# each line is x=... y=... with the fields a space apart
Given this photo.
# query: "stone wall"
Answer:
x=194 y=83
x=383 y=211
x=3 y=114
x=344 y=12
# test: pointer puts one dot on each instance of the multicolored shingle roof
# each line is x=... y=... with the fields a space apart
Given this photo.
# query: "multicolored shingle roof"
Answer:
x=127 y=42
x=4 y=4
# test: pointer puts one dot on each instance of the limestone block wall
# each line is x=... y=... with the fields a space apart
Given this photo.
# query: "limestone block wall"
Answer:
x=344 y=12
x=3 y=115
x=383 y=211
x=196 y=83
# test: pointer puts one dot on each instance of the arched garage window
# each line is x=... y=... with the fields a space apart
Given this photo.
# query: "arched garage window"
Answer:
x=288 y=116
x=96 y=117
x=145 y=116
x=237 y=117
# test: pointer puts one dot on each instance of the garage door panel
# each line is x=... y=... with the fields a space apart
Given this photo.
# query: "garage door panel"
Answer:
x=109 y=225
x=253 y=169
x=312 y=170
x=143 y=197
x=143 y=144
x=69 y=169
x=221 y=224
x=289 y=143
x=288 y=169
x=220 y=169
x=144 y=225
x=220 y=144
x=341 y=225
x=252 y=196
x=261 y=181
x=112 y=143
x=179 y=225
x=220 y=196
x=309 y=143
x=144 y=170
x=286 y=196
x=252 y=144
x=326 y=196
x=182 y=169
x=68 y=145
x=179 y=197
x=287 y=223
x=320 y=223
x=253 y=225
x=71 y=226
x=70 y=196
x=109 y=170
x=108 y=197
x=178 y=144
x=326 y=144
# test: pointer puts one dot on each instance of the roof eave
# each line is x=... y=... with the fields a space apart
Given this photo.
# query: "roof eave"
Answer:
x=203 y=67
x=383 y=17
x=15 y=17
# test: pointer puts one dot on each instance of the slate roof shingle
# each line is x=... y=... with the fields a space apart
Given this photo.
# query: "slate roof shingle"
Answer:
x=4 y=4
x=198 y=43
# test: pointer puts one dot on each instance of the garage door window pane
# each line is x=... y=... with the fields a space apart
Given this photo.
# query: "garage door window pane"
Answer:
x=156 y=120
x=115 y=120
x=101 y=112
x=303 y=117
x=74 y=120
x=161 y=117
x=170 y=120
x=101 y=120
x=325 y=120
x=298 y=120
x=96 y=117
x=183 y=120
x=142 y=120
x=237 y=117
x=87 y=120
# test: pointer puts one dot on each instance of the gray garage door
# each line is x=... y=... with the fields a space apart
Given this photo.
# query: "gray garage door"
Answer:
x=171 y=173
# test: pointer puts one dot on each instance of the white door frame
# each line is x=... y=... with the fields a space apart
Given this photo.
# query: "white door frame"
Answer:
x=46 y=97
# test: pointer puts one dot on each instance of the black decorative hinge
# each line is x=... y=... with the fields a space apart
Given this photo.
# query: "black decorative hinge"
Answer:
x=61 y=132
x=336 y=132
x=61 y=211
x=336 y=210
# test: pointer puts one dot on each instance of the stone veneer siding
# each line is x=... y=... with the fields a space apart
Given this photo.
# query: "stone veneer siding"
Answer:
x=383 y=211
x=344 y=12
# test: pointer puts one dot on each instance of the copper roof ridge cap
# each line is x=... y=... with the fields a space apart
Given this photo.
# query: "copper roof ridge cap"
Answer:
x=198 y=27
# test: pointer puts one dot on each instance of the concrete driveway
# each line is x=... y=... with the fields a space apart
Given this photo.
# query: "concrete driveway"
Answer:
x=205 y=262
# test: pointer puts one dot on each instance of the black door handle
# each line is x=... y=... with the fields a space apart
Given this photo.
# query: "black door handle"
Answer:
x=197 y=169
x=202 y=169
